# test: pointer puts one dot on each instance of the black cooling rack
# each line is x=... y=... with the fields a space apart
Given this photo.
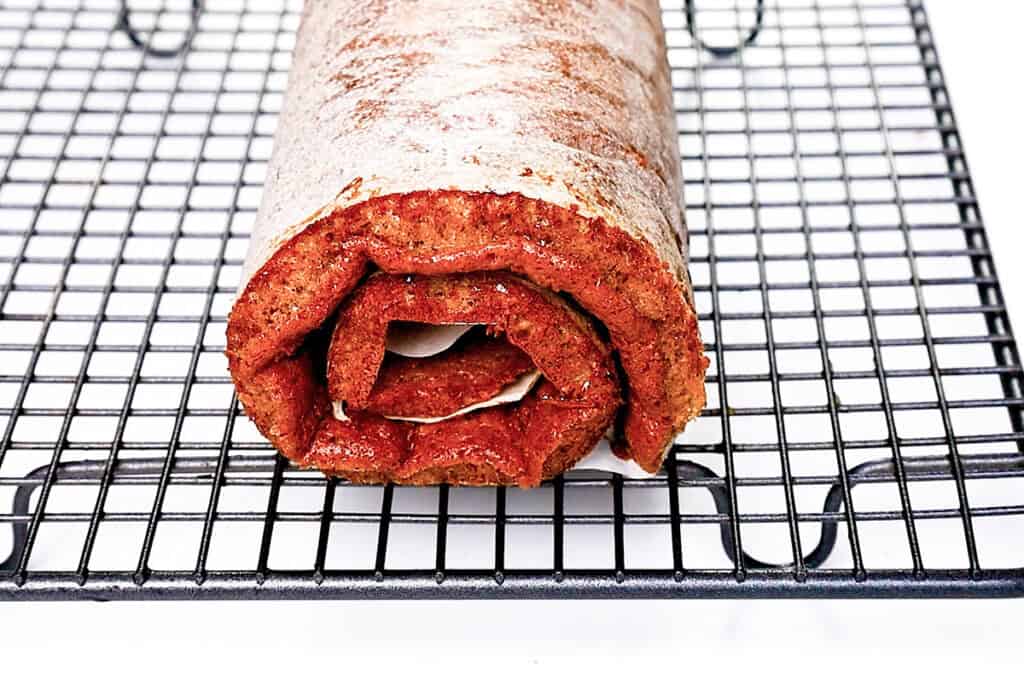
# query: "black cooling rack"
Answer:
x=864 y=431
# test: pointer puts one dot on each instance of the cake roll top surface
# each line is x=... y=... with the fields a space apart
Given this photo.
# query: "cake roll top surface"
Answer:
x=563 y=101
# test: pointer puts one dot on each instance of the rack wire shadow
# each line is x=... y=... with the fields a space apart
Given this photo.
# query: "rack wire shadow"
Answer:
x=864 y=435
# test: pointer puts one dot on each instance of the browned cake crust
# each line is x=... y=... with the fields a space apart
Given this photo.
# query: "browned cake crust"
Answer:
x=551 y=156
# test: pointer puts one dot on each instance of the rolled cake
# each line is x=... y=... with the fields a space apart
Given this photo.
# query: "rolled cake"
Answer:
x=503 y=174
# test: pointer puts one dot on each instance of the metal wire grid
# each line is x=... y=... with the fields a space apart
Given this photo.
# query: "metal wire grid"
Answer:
x=871 y=437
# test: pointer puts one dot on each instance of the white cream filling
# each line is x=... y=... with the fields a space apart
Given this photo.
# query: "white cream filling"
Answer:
x=415 y=340
x=419 y=340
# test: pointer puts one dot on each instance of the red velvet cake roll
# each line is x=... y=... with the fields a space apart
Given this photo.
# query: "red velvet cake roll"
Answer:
x=503 y=174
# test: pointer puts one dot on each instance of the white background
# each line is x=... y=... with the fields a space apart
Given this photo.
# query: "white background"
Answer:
x=840 y=640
